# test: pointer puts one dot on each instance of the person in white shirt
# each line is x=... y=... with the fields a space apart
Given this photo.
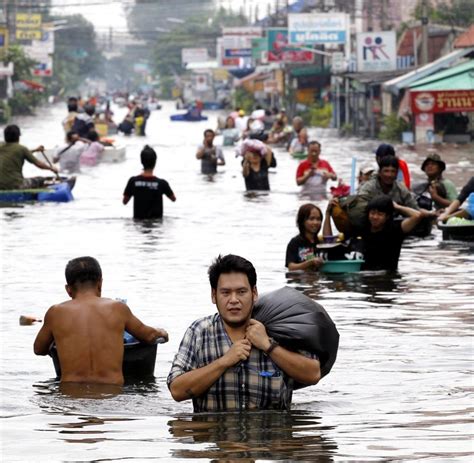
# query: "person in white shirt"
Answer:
x=69 y=154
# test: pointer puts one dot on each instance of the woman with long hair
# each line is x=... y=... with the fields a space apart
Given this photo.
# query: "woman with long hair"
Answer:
x=302 y=252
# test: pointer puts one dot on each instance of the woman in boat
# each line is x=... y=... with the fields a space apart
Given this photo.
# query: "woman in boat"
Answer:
x=302 y=251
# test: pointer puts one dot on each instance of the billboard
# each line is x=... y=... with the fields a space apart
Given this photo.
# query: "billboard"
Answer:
x=376 y=51
x=442 y=101
x=279 y=50
x=193 y=55
x=259 y=49
x=44 y=68
x=28 y=26
x=3 y=38
x=41 y=50
x=318 y=28
x=235 y=46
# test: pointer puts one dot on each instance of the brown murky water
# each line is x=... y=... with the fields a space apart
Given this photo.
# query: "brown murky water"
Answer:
x=401 y=388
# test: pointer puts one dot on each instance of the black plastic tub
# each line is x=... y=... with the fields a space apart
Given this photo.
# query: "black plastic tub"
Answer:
x=457 y=232
x=138 y=360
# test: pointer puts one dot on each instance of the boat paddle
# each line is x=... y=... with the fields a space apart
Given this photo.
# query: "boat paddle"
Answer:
x=28 y=320
x=50 y=164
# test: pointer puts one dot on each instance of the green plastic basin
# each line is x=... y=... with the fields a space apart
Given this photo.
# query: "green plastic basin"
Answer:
x=341 y=266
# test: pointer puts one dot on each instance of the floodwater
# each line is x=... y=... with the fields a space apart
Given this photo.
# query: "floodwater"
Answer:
x=401 y=388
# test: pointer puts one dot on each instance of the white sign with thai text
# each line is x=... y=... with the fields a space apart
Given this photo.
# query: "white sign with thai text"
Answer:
x=317 y=28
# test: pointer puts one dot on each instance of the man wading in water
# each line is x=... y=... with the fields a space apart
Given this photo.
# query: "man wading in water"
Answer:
x=211 y=156
x=88 y=330
x=226 y=361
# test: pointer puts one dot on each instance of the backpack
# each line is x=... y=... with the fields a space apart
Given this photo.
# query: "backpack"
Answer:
x=355 y=208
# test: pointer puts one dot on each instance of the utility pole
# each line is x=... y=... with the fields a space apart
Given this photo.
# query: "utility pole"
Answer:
x=424 y=32
x=383 y=15
x=370 y=12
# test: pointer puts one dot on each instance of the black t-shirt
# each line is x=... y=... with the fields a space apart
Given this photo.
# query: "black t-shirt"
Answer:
x=467 y=189
x=299 y=250
x=382 y=249
x=258 y=180
x=148 y=196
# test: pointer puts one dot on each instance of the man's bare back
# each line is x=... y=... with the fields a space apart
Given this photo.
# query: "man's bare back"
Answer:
x=88 y=332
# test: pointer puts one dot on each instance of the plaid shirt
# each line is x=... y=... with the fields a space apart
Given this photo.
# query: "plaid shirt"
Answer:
x=256 y=383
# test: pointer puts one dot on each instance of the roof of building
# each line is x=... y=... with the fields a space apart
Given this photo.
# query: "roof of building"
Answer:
x=466 y=39
x=439 y=36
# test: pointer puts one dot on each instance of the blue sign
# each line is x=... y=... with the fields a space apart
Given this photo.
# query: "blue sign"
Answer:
x=317 y=37
x=238 y=53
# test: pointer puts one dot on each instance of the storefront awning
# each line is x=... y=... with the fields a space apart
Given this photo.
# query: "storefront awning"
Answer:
x=460 y=77
x=451 y=90
x=399 y=83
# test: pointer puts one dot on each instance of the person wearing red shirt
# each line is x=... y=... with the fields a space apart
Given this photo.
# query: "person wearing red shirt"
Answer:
x=313 y=173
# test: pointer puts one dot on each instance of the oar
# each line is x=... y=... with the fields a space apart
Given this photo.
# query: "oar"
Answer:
x=28 y=320
x=353 y=175
x=49 y=162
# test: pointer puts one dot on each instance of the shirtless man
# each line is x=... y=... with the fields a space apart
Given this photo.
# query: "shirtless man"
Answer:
x=88 y=330
x=211 y=156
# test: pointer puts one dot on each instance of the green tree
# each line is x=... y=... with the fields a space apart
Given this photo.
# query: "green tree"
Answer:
x=457 y=13
x=76 y=55
x=199 y=31
x=22 y=64
x=148 y=17
x=24 y=100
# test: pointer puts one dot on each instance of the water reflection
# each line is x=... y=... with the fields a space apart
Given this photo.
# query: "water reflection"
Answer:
x=253 y=435
x=135 y=396
x=378 y=286
x=89 y=391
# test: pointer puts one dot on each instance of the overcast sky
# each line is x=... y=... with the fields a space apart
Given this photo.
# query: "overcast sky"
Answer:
x=112 y=13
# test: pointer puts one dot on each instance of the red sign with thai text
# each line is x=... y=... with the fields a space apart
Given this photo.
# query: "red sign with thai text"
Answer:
x=443 y=101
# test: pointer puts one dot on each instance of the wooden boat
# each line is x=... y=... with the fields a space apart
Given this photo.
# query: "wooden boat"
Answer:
x=457 y=232
x=55 y=190
x=138 y=359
